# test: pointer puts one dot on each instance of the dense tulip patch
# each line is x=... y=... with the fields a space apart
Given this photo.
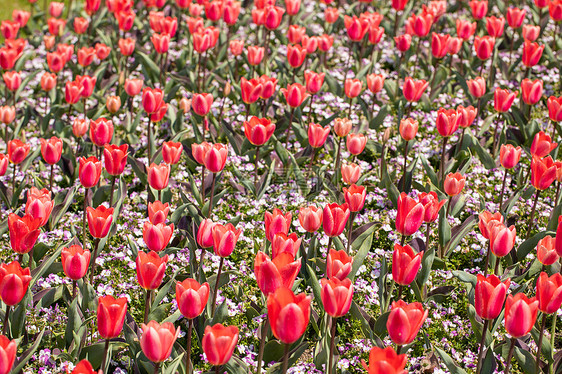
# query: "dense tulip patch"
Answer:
x=281 y=186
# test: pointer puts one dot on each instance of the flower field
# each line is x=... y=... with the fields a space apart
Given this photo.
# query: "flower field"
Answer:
x=215 y=186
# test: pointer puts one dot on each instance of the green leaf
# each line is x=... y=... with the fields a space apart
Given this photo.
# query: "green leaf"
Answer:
x=26 y=356
x=448 y=361
x=525 y=360
x=459 y=232
x=359 y=257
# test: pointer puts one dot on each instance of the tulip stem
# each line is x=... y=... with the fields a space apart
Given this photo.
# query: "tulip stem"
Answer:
x=404 y=167
x=156 y=367
x=30 y=261
x=497 y=267
x=214 y=305
x=212 y=195
x=105 y=350
x=147 y=305
x=264 y=330
x=427 y=236
x=310 y=109
x=399 y=295
x=332 y=345
x=509 y=356
x=51 y=179
x=149 y=145
x=14 y=183
x=539 y=344
x=503 y=187
x=530 y=222
x=113 y=179
x=350 y=106
x=552 y=339
x=290 y=126
x=402 y=240
x=487 y=262
x=73 y=289
x=398 y=349
x=449 y=203
x=459 y=145
x=203 y=169
x=349 y=231
x=93 y=261
x=495 y=141
x=557 y=194
x=188 y=348
x=217 y=369
x=481 y=349
x=6 y=320
x=338 y=161
x=286 y=358
x=84 y=218
x=443 y=156
x=256 y=169
x=329 y=244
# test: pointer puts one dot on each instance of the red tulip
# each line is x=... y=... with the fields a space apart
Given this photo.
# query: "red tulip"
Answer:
x=133 y=87
x=355 y=197
x=356 y=27
x=192 y=297
x=84 y=367
x=276 y=222
x=17 y=151
x=272 y=17
x=279 y=272
x=555 y=108
x=542 y=145
x=288 y=313
x=268 y=86
x=201 y=103
x=152 y=99
x=310 y=218
x=255 y=55
x=477 y=87
x=21 y=17
x=489 y=295
x=89 y=171
x=295 y=94
x=215 y=157
x=439 y=44
x=282 y=243
x=503 y=99
x=39 y=204
x=531 y=91
x=466 y=115
x=454 y=183
x=8 y=57
x=126 y=46
x=296 y=55
x=115 y=158
x=465 y=29
x=356 y=143
x=258 y=130
x=350 y=173
x=338 y=264
x=403 y=42
x=86 y=56
x=486 y=222
x=502 y=238
x=14 y=282
x=520 y=314
x=509 y=156
x=543 y=172
x=101 y=131
x=171 y=152
x=336 y=296
x=404 y=321
x=75 y=261
x=484 y=46
x=111 y=315
x=314 y=81
x=99 y=220
x=353 y=88
x=334 y=219
x=317 y=135
x=331 y=15
x=530 y=32
x=150 y=269
x=431 y=205
x=447 y=121
x=24 y=232
x=555 y=10
x=479 y=8
x=51 y=150
x=413 y=89
x=375 y=34
x=549 y=292
x=546 y=251
x=224 y=239
x=409 y=216
x=231 y=12
x=251 y=90
x=7 y=114
x=161 y=42
x=385 y=361
x=158 y=176
x=495 y=26
x=515 y=17
x=405 y=264
x=421 y=24
x=199 y=151
x=532 y=53
x=156 y=237
x=219 y=342
x=9 y=29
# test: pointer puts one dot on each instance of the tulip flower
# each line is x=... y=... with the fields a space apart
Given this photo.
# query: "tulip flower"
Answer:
x=546 y=251
x=277 y=222
x=75 y=263
x=404 y=321
x=296 y=55
x=201 y=103
x=342 y=127
x=288 y=314
x=350 y=173
x=338 y=264
x=413 y=89
x=84 y=367
x=409 y=217
x=219 y=343
x=39 y=204
x=531 y=91
x=158 y=176
x=111 y=315
x=314 y=81
x=258 y=130
x=99 y=221
x=273 y=274
x=282 y=243
x=421 y=24
x=356 y=143
x=310 y=218
x=405 y=265
x=509 y=157
x=532 y=53
x=317 y=135
x=24 y=232
x=157 y=236
x=502 y=240
x=171 y=152
x=14 y=282
x=477 y=87
x=17 y=151
x=479 y=8
x=336 y=296
x=520 y=314
x=453 y=185
x=542 y=145
x=385 y=361
x=150 y=269
x=295 y=94
x=334 y=219
x=157 y=340
x=8 y=351
x=530 y=32
x=89 y=171
x=51 y=150
x=251 y=91
x=356 y=27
